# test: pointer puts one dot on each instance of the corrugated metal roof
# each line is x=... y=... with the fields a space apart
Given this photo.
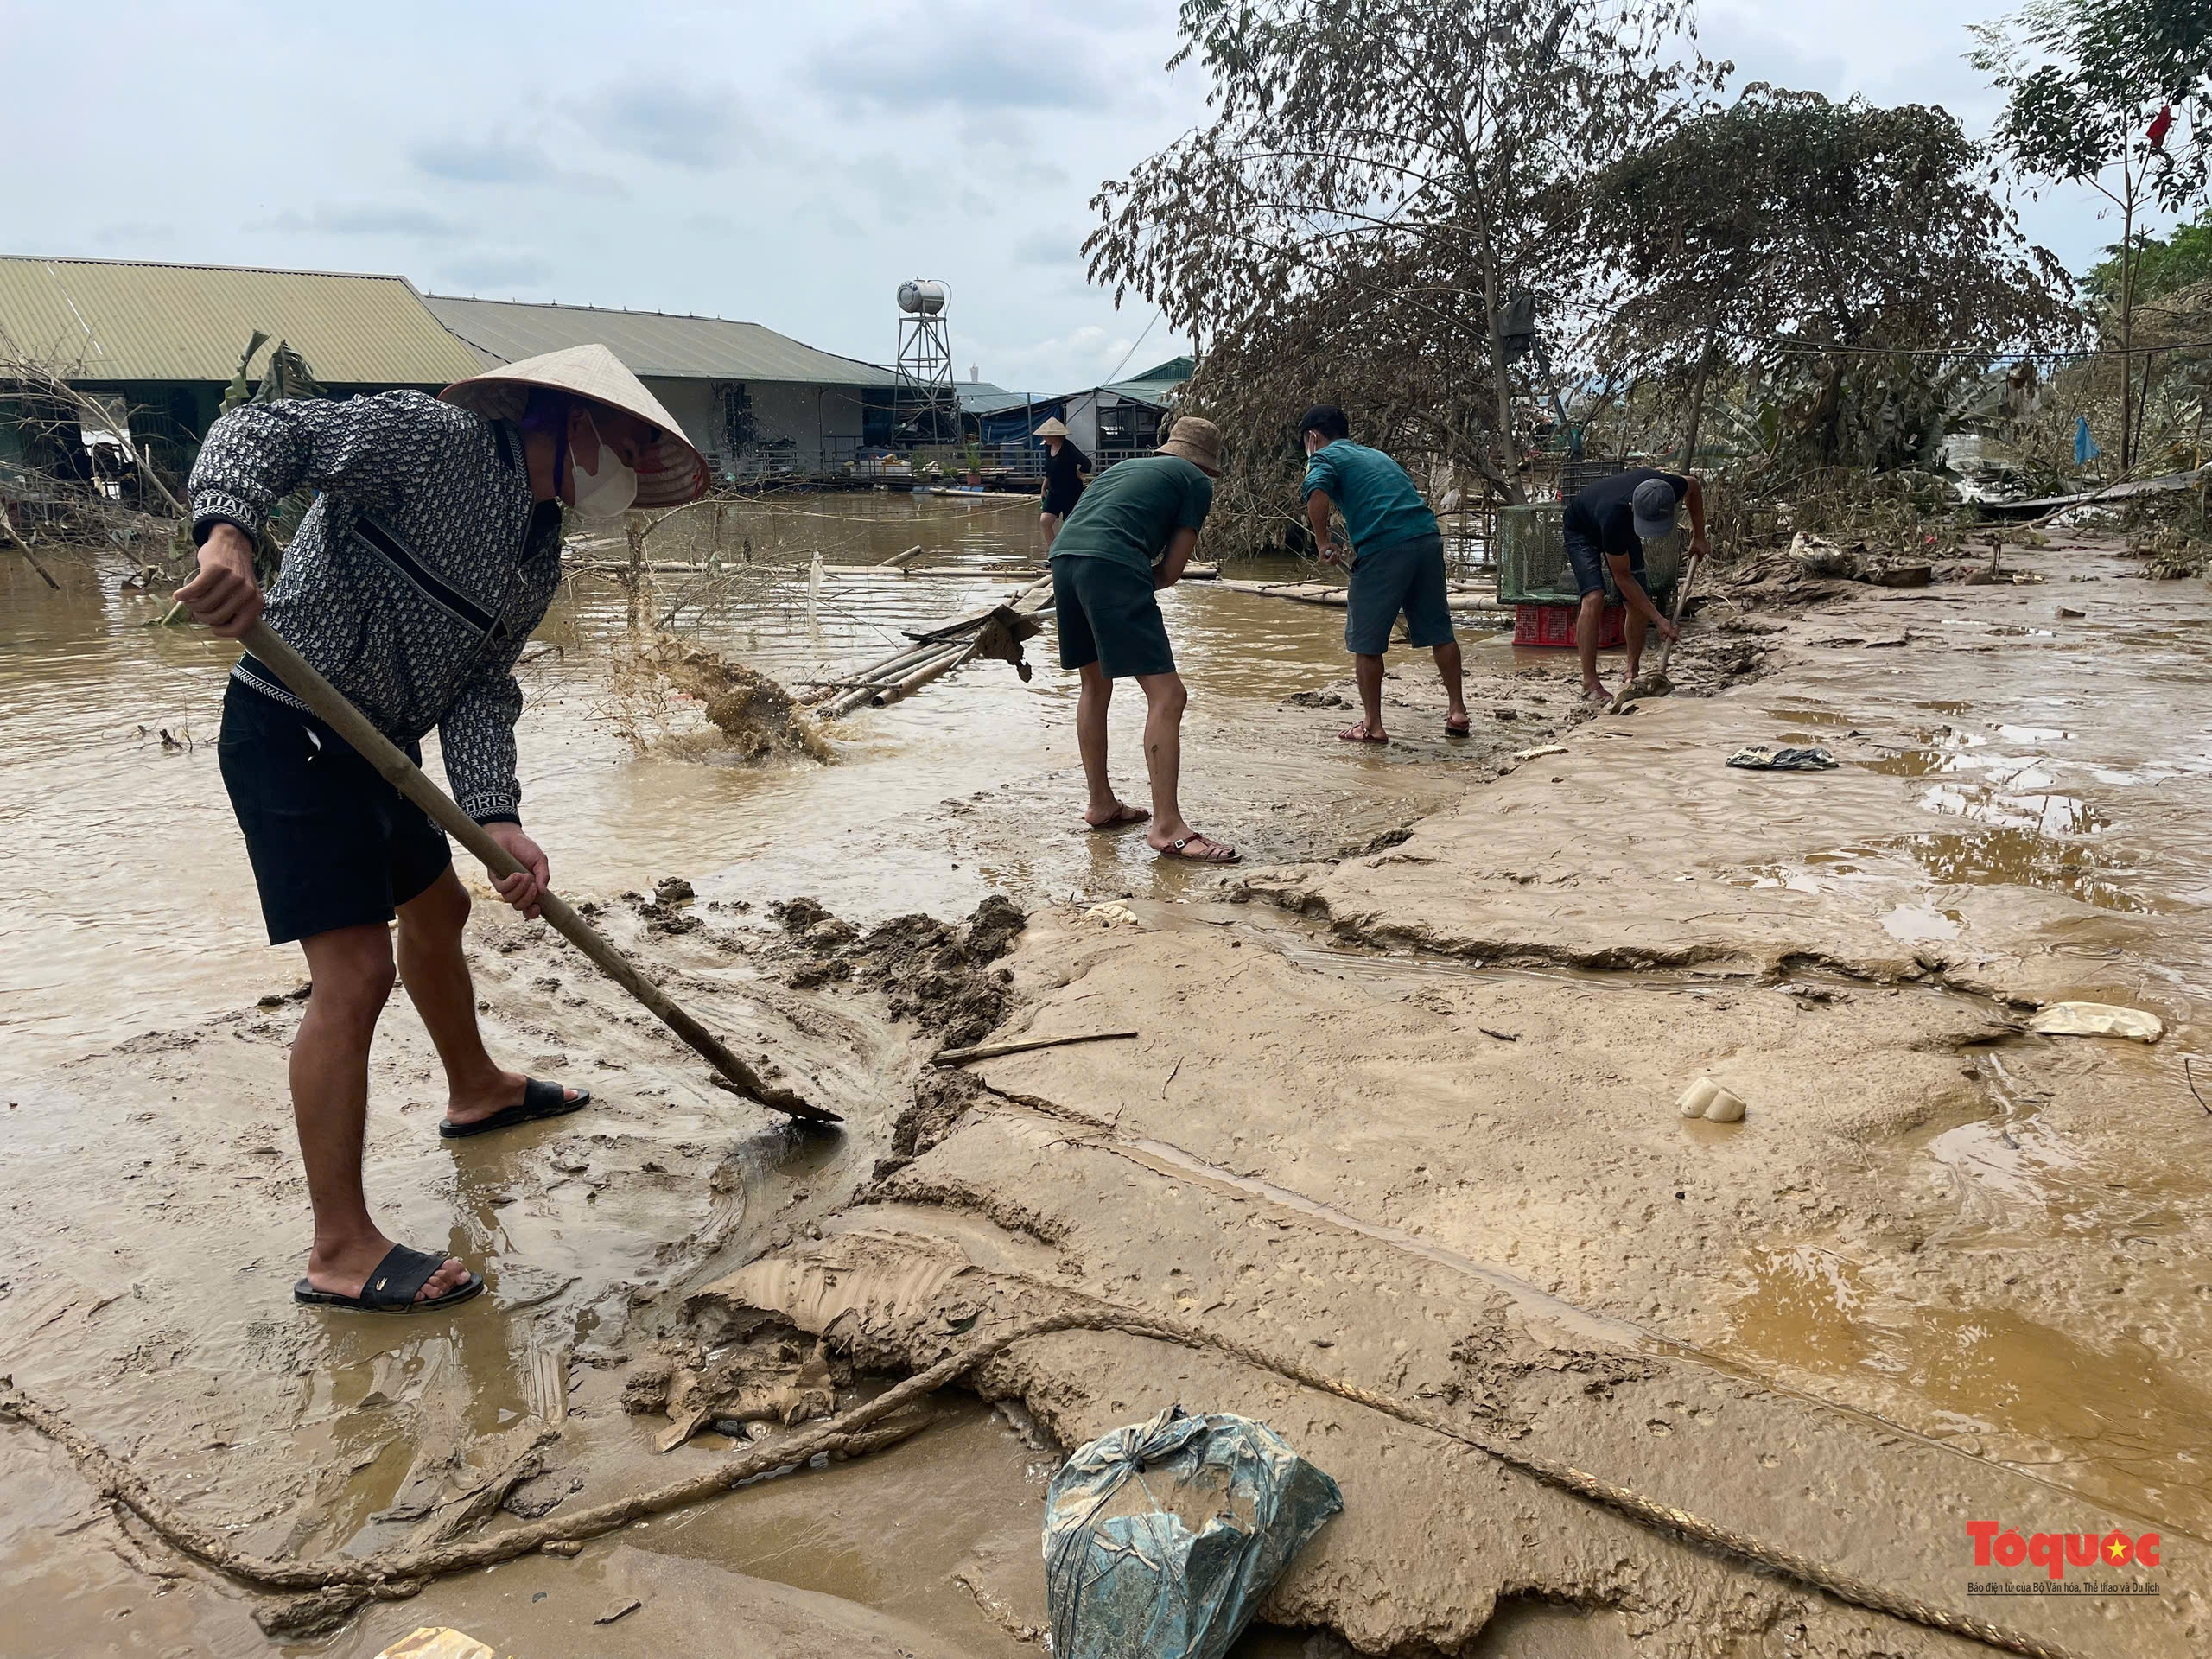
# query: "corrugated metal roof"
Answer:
x=652 y=343
x=116 y=320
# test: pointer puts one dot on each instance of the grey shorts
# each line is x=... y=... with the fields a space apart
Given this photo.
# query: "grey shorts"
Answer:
x=1407 y=577
x=1110 y=615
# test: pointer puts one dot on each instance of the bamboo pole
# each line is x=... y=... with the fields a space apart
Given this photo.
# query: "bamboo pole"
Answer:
x=899 y=559
x=331 y=707
x=952 y=657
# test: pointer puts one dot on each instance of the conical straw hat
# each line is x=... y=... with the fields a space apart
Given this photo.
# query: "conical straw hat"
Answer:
x=669 y=473
x=1054 y=427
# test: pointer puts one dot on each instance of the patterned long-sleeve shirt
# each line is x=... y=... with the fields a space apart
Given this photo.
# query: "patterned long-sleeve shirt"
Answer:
x=416 y=578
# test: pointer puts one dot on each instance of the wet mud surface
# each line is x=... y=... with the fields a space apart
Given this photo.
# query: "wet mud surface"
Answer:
x=1402 y=1102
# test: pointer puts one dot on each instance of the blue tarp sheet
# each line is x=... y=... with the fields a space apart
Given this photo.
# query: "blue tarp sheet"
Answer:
x=1162 y=1539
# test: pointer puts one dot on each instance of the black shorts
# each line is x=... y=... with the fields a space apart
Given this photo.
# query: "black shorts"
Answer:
x=1109 y=614
x=332 y=844
x=1588 y=561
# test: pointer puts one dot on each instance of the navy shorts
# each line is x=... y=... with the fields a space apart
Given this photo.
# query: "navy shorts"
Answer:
x=1407 y=577
x=1588 y=559
x=1109 y=614
x=332 y=844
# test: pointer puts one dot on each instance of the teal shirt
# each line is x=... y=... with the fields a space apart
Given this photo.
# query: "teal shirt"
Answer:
x=1132 y=509
x=1379 y=502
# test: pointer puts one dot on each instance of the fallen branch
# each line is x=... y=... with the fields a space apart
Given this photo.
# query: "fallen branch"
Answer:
x=24 y=548
x=992 y=1051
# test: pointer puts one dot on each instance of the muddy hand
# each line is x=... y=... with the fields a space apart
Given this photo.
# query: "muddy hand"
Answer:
x=224 y=594
x=526 y=886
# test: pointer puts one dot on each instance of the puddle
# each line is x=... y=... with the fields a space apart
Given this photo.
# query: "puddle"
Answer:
x=2119 y=1422
x=2045 y=814
x=2020 y=857
x=1916 y=922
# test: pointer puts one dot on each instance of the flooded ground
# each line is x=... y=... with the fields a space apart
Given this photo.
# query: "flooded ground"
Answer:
x=1401 y=1097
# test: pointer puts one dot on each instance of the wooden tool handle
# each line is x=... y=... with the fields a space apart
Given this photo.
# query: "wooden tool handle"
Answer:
x=330 y=706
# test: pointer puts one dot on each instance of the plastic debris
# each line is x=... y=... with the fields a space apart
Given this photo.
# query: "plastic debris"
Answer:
x=2097 y=1019
x=1759 y=758
x=1706 y=1099
x=1539 y=752
x=436 y=1642
x=1110 y=913
x=1162 y=1539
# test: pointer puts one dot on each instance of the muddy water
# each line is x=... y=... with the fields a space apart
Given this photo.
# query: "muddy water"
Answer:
x=126 y=873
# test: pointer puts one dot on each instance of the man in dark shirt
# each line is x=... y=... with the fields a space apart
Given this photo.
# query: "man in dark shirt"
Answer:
x=1066 y=468
x=1607 y=524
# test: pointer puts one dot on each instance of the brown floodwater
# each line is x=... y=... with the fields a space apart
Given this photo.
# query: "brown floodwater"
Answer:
x=127 y=874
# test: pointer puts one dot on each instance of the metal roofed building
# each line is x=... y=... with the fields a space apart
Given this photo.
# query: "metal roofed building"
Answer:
x=1122 y=418
x=759 y=403
x=166 y=339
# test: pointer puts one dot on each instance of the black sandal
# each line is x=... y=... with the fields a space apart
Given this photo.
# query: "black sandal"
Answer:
x=391 y=1287
x=539 y=1100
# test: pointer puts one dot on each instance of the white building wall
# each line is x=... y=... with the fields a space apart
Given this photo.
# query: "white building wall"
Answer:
x=795 y=426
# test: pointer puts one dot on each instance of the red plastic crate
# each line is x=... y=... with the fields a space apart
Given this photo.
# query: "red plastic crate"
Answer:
x=1554 y=625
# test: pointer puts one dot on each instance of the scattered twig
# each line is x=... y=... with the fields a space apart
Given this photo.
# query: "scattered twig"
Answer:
x=2191 y=1082
x=991 y=1051
x=1501 y=1036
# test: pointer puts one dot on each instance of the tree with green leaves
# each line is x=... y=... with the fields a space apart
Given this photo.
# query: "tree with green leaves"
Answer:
x=1380 y=178
x=1817 y=248
x=2116 y=95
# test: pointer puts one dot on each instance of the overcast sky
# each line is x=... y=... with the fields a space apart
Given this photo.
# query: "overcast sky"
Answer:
x=785 y=163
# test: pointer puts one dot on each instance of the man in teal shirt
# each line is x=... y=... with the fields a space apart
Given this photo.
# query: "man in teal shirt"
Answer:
x=1129 y=537
x=1397 y=563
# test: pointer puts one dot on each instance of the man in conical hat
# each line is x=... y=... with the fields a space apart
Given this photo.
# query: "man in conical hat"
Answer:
x=431 y=552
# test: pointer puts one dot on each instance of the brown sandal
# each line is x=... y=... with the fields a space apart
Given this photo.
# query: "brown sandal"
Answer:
x=1219 y=852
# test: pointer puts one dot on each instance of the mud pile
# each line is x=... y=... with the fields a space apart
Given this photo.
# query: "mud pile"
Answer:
x=936 y=973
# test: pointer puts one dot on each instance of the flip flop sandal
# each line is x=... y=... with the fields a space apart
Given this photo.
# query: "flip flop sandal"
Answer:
x=1174 y=850
x=1467 y=730
x=391 y=1287
x=1122 y=820
x=538 y=1100
x=1359 y=733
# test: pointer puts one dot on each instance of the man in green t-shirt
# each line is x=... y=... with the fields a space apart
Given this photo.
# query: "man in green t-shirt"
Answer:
x=1397 y=564
x=1130 y=535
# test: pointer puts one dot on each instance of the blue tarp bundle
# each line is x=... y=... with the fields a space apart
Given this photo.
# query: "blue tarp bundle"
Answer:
x=1162 y=1539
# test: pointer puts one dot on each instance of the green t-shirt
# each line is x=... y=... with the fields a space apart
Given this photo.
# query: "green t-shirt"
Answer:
x=1379 y=502
x=1132 y=509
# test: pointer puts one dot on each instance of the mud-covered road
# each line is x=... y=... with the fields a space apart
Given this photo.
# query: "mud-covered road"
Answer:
x=1407 y=1112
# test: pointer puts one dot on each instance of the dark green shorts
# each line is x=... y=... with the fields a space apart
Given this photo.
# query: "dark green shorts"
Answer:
x=1407 y=577
x=1110 y=615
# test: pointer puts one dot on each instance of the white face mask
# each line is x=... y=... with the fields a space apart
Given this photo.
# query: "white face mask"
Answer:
x=608 y=493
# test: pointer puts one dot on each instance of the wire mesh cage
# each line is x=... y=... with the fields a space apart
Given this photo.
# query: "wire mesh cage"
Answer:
x=1532 y=567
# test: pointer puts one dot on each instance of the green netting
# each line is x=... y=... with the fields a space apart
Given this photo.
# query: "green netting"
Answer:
x=1532 y=567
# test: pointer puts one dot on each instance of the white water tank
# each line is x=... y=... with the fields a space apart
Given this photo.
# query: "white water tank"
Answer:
x=922 y=298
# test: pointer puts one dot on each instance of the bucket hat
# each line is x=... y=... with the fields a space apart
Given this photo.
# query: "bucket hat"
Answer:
x=1054 y=427
x=670 y=471
x=1197 y=441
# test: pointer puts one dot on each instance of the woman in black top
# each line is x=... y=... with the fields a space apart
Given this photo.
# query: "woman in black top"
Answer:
x=1064 y=468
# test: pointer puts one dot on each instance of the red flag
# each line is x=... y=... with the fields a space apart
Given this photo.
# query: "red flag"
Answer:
x=2161 y=124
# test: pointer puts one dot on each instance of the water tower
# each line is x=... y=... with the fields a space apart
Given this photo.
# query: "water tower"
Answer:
x=927 y=409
